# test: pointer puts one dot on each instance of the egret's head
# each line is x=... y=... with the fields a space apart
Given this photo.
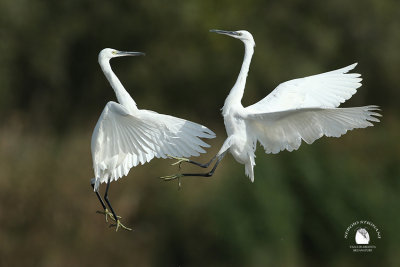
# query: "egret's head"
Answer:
x=245 y=36
x=108 y=53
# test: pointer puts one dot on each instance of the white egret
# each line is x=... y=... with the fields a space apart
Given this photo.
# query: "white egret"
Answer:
x=300 y=109
x=125 y=136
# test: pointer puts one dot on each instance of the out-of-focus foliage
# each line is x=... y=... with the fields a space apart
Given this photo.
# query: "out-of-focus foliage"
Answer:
x=295 y=214
x=49 y=51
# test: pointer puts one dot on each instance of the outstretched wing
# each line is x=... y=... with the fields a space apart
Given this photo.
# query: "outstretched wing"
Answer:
x=121 y=140
x=325 y=90
x=282 y=130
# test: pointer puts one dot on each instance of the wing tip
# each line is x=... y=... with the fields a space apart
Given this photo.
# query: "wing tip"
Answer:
x=372 y=113
x=349 y=68
x=208 y=131
x=353 y=65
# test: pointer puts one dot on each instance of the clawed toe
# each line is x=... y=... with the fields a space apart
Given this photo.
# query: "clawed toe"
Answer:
x=171 y=177
x=107 y=213
x=179 y=161
x=118 y=225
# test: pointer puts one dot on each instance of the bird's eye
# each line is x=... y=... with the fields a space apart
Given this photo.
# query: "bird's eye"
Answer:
x=114 y=52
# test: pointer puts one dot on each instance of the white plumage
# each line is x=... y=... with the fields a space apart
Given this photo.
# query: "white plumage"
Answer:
x=325 y=90
x=301 y=109
x=126 y=136
x=278 y=131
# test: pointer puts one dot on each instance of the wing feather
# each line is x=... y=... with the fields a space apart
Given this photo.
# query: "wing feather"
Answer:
x=121 y=141
x=285 y=130
x=325 y=90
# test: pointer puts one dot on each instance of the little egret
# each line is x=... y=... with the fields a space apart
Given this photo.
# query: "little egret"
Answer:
x=300 y=109
x=125 y=136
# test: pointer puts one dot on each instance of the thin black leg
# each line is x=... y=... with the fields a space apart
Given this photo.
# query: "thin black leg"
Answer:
x=108 y=202
x=210 y=173
x=98 y=196
x=205 y=165
x=185 y=160
x=117 y=222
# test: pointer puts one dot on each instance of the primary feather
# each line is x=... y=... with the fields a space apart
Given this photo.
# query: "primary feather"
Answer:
x=306 y=109
x=325 y=90
x=281 y=130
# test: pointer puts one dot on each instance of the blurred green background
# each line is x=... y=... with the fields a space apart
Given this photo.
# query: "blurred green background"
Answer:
x=52 y=92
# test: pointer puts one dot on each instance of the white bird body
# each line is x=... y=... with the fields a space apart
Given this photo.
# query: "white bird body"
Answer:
x=125 y=136
x=300 y=109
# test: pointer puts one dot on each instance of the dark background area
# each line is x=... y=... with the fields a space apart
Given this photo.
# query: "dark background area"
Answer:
x=52 y=92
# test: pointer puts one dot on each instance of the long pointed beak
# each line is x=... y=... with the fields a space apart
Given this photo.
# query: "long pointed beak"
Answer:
x=134 y=54
x=230 y=33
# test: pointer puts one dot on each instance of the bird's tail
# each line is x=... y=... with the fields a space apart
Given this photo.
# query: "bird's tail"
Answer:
x=249 y=168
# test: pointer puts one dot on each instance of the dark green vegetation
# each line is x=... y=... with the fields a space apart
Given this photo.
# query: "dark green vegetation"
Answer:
x=295 y=214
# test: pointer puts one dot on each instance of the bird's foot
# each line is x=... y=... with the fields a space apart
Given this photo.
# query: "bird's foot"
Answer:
x=118 y=224
x=179 y=161
x=169 y=178
x=107 y=213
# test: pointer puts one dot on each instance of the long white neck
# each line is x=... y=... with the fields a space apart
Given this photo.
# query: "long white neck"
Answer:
x=122 y=95
x=236 y=94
